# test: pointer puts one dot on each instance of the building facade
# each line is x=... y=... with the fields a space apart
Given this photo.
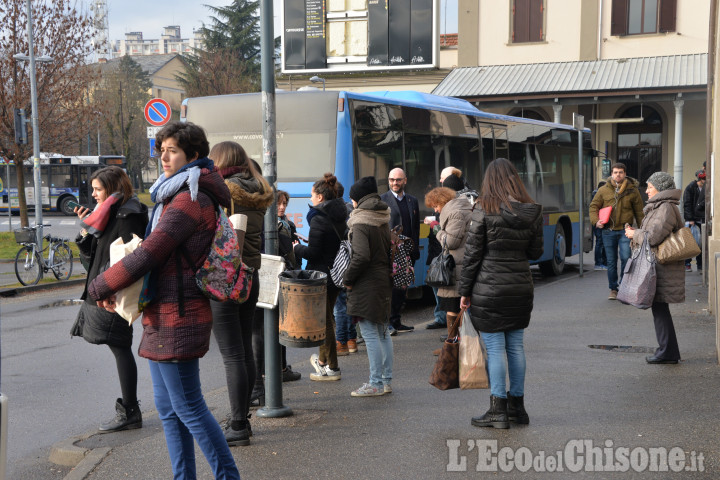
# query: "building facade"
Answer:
x=635 y=69
x=170 y=42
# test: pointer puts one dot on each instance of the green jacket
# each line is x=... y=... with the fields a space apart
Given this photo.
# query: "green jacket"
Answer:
x=627 y=203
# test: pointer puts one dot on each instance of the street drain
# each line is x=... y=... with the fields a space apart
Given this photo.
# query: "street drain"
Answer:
x=62 y=303
x=623 y=348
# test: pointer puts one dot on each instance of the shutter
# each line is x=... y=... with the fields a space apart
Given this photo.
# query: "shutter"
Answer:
x=618 y=23
x=668 y=12
x=535 y=21
x=521 y=21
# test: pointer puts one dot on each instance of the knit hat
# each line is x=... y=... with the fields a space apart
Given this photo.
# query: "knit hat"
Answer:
x=661 y=181
x=364 y=186
x=454 y=182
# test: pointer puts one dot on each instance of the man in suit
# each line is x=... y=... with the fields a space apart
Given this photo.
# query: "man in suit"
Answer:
x=404 y=211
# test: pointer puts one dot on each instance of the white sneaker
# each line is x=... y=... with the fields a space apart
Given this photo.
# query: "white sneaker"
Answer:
x=368 y=390
x=387 y=388
x=323 y=373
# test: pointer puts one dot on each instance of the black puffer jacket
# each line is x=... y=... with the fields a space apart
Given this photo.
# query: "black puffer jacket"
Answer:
x=327 y=225
x=496 y=273
x=97 y=325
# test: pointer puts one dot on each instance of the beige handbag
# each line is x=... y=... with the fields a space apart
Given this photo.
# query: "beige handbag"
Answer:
x=679 y=245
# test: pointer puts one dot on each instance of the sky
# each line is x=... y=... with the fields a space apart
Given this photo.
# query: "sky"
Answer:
x=150 y=16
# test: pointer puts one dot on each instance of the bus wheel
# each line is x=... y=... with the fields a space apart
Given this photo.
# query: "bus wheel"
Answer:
x=556 y=265
x=64 y=207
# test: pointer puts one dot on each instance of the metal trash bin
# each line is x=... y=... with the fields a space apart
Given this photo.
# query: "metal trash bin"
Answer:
x=302 y=308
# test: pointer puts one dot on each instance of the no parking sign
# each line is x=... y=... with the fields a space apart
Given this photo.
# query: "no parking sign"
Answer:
x=157 y=112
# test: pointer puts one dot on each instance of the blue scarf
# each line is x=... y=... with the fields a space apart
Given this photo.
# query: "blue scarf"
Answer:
x=165 y=188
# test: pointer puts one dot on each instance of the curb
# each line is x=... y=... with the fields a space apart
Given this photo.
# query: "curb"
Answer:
x=19 y=291
x=66 y=453
x=88 y=464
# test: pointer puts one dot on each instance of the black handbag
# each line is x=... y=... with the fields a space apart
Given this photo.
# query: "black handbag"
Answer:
x=441 y=272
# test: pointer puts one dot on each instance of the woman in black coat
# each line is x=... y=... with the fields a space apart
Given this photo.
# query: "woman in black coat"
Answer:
x=118 y=214
x=327 y=221
x=496 y=284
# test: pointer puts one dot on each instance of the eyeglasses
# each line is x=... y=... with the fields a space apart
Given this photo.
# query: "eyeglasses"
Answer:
x=391 y=180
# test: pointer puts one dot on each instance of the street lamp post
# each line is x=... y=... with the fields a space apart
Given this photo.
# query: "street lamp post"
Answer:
x=36 y=131
x=317 y=79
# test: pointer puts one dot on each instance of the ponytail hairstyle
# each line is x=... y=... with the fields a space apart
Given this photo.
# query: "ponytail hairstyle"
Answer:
x=502 y=182
x=327 y=187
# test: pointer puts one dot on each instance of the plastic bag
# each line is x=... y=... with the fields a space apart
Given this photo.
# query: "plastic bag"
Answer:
x=126 y=300
x=472 y=357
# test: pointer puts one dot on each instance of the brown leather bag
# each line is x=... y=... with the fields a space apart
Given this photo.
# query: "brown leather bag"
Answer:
x=446 y=374
x=679 y=245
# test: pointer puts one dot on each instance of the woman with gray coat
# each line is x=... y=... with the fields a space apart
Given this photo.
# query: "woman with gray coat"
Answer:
x=451 y=232
x=662 y=217
x=368 y=282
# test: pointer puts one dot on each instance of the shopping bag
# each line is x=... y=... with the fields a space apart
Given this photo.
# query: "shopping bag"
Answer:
x=445 y=374
x=126 y=300
x=639 y=278
x=472 y=357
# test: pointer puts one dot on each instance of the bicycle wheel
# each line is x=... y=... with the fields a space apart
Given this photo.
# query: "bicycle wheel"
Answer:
x=28 y=269
x=62 y=261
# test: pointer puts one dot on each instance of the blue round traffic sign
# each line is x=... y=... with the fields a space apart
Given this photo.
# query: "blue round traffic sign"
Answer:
x=157 y=112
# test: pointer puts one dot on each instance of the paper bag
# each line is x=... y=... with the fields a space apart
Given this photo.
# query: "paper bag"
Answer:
x=126 y=300
x=472 y=357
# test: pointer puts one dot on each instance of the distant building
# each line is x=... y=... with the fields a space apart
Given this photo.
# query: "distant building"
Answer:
x=170 y=42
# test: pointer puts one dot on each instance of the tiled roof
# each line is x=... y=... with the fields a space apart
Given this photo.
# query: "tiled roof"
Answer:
x=448 y=39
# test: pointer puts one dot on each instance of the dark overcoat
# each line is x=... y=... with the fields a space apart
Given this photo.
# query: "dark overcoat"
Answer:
x=368 y=274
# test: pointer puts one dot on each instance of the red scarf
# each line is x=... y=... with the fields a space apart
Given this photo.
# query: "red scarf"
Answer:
x=96 y=222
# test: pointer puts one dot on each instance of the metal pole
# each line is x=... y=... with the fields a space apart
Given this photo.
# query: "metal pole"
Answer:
x=579 y=124
x=36 y=130
x=7 y=187
x=273 y=375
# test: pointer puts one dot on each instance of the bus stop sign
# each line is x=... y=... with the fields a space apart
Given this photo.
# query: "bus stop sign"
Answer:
x=157 y=112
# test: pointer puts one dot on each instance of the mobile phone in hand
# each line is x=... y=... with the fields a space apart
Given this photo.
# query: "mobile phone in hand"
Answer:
x=72 y=205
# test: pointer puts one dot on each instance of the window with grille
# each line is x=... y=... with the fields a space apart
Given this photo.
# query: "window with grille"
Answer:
x=637 y=17
x=527 y=21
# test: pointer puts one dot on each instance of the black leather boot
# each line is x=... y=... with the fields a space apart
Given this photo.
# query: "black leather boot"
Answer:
x=127 y=417
x=237 y=432
x=516 y=410
x=496 y=417
x=257 y=396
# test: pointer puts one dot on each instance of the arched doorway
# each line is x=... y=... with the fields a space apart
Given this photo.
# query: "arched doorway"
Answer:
x=639 y=145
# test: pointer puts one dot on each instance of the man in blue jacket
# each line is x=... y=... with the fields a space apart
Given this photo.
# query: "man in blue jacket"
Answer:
x=404 y=211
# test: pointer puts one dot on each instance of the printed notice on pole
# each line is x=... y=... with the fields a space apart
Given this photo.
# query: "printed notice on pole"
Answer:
x=272 y=265
x=315 y=18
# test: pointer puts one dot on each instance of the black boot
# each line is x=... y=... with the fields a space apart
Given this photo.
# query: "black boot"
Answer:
x=127 y=417
x=257 y=396
x=516 y=410
x=237 y=432
x=496 y=417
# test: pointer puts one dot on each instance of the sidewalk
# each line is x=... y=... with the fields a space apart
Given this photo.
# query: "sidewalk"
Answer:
x=610 y=398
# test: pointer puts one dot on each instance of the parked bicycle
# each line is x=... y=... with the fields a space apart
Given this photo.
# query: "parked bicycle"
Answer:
x=29 y=262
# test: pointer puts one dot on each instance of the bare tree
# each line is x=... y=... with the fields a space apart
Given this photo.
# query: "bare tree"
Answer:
x=64 y=33
x=121 y=95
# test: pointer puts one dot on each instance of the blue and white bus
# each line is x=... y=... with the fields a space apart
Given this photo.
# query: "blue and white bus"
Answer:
x=360 y=134
x=62 y=179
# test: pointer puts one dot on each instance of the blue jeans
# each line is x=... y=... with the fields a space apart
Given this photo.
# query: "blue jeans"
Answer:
x=440 y=315
x=344 y=328
x=184 y=415
x=499 y=345
x=612 y=239
x=379 y=350
x=600 y=257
